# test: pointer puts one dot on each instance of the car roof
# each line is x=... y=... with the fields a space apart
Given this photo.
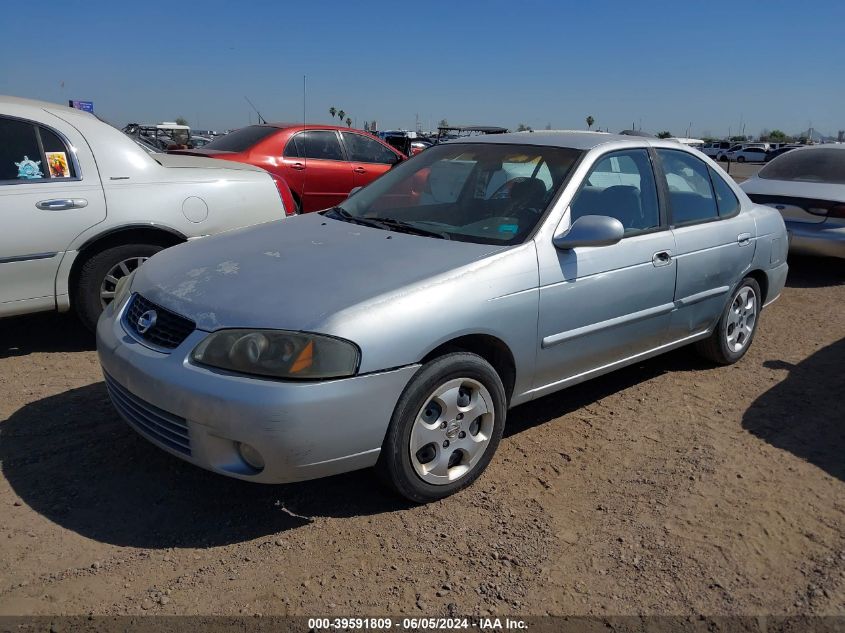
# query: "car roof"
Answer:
x=572 y=139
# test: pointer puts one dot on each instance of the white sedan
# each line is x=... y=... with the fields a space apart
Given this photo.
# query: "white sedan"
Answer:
x=747 y=155
x=81 y=205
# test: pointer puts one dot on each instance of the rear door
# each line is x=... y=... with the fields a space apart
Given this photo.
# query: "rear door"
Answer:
x=714 y=241
x=50 y=191
x=317 y=170
x=369 y=158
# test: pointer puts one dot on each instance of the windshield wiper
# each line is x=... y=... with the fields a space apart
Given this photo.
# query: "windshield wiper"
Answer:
x=407 y=227
x=390 y=224
x=342 y=214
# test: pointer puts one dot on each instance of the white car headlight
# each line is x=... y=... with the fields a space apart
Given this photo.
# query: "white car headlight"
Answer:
x=278 y=354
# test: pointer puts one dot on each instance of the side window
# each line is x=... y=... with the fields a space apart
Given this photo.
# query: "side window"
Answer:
x=319 y=144
x=622 y=186
x=365 y=150
x=21 y=155
x=691 y=197
x=726 y=200
x=58 y=156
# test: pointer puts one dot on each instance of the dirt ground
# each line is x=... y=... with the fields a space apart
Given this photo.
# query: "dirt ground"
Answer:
x=670 y=487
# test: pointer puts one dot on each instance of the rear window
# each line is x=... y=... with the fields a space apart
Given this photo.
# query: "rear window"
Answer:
x=243 y=139
x=808 y=165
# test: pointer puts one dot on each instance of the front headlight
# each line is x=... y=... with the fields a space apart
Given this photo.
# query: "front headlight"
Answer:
x=279 y=354
x=122 y=287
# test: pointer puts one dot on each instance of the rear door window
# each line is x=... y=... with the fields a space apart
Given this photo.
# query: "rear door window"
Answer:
x=315 y=144
x=726 y=200
x=30 y=152
x=691 y=196
x=366 y=150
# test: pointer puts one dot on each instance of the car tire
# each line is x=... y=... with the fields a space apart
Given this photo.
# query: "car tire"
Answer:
x=92 y=283
x=740 y=159
x=723 y=159
x=733 y=334
x=459 y=384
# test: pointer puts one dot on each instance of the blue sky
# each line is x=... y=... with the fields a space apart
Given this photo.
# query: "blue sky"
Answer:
x=661 y=65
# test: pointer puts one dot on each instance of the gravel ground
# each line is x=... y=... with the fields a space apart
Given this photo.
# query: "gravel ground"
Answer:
x=670 y=487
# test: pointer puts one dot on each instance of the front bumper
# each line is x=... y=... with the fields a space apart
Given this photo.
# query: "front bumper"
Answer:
x=302 y=430
x=816 y=239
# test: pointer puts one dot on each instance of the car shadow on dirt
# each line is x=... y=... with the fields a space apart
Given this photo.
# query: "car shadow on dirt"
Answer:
x=803 y=413
x=44 y=332
x=73 y=460
x=815 y=272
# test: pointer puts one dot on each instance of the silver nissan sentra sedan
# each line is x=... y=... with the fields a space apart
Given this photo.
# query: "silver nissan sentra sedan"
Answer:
x=396 y=329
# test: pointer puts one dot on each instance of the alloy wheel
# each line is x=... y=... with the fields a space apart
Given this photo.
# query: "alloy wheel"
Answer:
x=742 y=317
x=115 y=274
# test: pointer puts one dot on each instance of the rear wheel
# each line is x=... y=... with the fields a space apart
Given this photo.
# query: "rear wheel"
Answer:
x=736 y=328
x=445 y=429
x=740 y=159
x=99 y=275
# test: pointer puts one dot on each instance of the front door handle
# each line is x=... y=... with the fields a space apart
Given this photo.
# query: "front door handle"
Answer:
x=297 y=166
x=360 y=170
x=743 y=239
x=60 y=204
x=662 y=258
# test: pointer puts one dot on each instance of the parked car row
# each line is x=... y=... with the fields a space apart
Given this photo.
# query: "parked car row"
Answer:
x=724 y=151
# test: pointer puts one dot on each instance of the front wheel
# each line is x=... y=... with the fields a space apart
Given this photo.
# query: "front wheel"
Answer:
x=99 y=275
x=445 y=428
x=736 y=328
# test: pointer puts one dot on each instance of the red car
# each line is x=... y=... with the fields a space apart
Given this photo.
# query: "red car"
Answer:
x=321 y=164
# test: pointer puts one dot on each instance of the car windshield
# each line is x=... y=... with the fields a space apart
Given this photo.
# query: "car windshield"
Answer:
x=808 y=165
x=242 y=139
x=473 y=192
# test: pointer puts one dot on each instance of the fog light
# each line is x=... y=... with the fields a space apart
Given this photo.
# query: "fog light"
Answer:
x=251 y=456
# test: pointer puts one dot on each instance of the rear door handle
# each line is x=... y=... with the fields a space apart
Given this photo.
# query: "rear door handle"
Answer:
x=297 y=166
x=60 y=204
x=743 y=239
x=360 y=170
x=662 y=258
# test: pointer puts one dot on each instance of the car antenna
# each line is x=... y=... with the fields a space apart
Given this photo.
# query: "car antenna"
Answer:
x=261 y=119
x=305 y=145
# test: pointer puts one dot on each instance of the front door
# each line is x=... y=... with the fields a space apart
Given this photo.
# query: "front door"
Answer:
x=50 y=192
x=316 y=169
x=602 y=305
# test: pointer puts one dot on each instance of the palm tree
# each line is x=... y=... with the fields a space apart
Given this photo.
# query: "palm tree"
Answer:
x=348 y=122
x=340 y=115
x=333 y=111
x=590 y=121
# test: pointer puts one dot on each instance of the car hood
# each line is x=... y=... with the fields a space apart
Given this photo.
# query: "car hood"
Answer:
x=294 y=274
x=182 y=160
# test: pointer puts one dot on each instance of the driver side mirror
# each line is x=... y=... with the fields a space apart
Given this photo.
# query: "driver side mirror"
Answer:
x=590 y=230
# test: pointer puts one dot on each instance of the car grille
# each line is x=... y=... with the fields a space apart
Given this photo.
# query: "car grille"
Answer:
x=169 y=329
x=154 y=423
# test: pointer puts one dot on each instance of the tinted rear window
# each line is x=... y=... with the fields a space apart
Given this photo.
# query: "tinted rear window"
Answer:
x=810 y=165
x=241 y=140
